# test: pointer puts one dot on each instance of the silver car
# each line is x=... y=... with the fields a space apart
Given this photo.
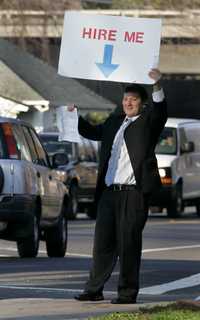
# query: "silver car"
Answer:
x=33 y=197
x=81 y=169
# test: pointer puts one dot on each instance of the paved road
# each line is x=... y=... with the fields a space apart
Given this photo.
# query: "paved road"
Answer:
x=170 y=265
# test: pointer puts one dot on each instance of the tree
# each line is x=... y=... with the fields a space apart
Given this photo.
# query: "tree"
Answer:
x=95 y=117
x=156 y=4
x=39 y=4
x=92 y=5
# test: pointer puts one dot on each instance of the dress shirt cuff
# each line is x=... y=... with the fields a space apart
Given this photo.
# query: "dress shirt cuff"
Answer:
x=158 y=96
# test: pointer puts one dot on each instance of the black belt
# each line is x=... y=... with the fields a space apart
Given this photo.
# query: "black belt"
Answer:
x=121 y=187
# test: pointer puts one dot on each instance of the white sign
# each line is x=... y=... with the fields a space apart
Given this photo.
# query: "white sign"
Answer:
x=67 y=122
x=101 y=47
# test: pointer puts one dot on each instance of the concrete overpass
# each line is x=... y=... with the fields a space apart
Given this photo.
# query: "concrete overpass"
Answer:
x=180 y=27
x=15 y=23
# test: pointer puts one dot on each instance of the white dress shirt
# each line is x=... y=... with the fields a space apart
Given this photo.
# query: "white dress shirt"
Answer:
x=120 y=170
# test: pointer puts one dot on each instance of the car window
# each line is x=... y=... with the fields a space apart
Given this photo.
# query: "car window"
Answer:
x=183 y=138
x=87 y=150
x=41 y=153
x=192 y=134
x=21 y=143
x=52 y=146
x=31 y=145
x=167 y=143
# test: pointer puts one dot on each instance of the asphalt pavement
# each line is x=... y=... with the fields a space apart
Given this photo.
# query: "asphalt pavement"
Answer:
x=43 y=288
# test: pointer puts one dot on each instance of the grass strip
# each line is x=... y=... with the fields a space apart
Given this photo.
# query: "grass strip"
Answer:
x=178 y=311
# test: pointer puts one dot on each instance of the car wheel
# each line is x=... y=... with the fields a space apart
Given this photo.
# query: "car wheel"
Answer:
x=28 y=247
x=56 y=238
x=73 y=203
x=176 y=206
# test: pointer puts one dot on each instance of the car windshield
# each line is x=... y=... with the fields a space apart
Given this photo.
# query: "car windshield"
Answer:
x=167 y=143
x=52 y=145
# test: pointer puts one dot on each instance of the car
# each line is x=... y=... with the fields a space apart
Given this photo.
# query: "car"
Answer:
x=81 y=168
x=178 y=156
x=33 y=197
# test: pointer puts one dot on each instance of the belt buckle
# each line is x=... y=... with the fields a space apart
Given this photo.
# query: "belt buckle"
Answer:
x=117 y=187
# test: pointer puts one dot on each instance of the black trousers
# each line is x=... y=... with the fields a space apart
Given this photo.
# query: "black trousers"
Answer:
x=120 y=220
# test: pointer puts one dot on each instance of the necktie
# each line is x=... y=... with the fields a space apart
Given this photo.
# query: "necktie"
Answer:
x=115 y=153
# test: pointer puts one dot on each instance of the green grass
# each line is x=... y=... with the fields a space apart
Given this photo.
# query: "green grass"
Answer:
x=173 y=312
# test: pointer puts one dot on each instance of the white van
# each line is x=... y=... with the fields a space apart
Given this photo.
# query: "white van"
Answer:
x=178 y=155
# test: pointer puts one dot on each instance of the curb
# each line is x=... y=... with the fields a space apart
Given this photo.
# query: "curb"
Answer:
x=63 y=309
x=57 y=309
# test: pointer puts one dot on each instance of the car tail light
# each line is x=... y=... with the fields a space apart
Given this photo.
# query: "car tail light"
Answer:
x=166 y=180
x=165 y=175
x=10 y=141
x=1 y=179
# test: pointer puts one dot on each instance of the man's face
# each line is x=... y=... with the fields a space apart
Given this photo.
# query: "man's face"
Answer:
x=132 y=104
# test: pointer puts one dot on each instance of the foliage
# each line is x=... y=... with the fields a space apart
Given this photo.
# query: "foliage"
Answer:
x=128 y=4
x=156 y=4
x=166 y=314
x=96 y=117
x=89 y=5
x=40 y=4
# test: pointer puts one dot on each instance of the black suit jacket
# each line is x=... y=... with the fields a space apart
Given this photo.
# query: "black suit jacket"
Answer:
x=141 y=137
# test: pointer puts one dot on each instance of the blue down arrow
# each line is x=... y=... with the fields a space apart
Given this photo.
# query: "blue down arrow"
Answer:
x=107 y=67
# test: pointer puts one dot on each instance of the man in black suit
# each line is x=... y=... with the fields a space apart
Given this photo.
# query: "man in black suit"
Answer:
x=128 y=174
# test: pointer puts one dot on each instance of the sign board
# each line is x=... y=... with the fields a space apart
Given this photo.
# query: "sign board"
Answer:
x=112 y=48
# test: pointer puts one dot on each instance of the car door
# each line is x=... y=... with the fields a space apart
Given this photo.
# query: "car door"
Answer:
x=43 y=172
x=40 y=172
x=25 y=180
x=87 y=167
x=55 y=195
x=192 y=163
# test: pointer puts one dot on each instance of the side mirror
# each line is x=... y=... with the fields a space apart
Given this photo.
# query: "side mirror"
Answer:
x=81 y=158
x=187 y=147
x=59 y=159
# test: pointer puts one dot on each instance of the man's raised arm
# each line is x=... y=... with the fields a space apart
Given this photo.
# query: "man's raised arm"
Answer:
x=87 y=130
x=159 y=114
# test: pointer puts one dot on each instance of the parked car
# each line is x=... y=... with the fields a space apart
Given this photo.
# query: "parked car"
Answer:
x=81 y=169
x=178 y=156
x=33 y=199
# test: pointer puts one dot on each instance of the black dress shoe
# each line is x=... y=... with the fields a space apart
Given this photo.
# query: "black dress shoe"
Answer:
x=123 y=300
x=88 y=296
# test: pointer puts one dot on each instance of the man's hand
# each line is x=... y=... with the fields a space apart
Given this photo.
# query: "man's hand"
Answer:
x=71 y=107
x=156 y=75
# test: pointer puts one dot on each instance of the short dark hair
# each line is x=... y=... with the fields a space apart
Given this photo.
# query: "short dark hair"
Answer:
x=138 y=89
